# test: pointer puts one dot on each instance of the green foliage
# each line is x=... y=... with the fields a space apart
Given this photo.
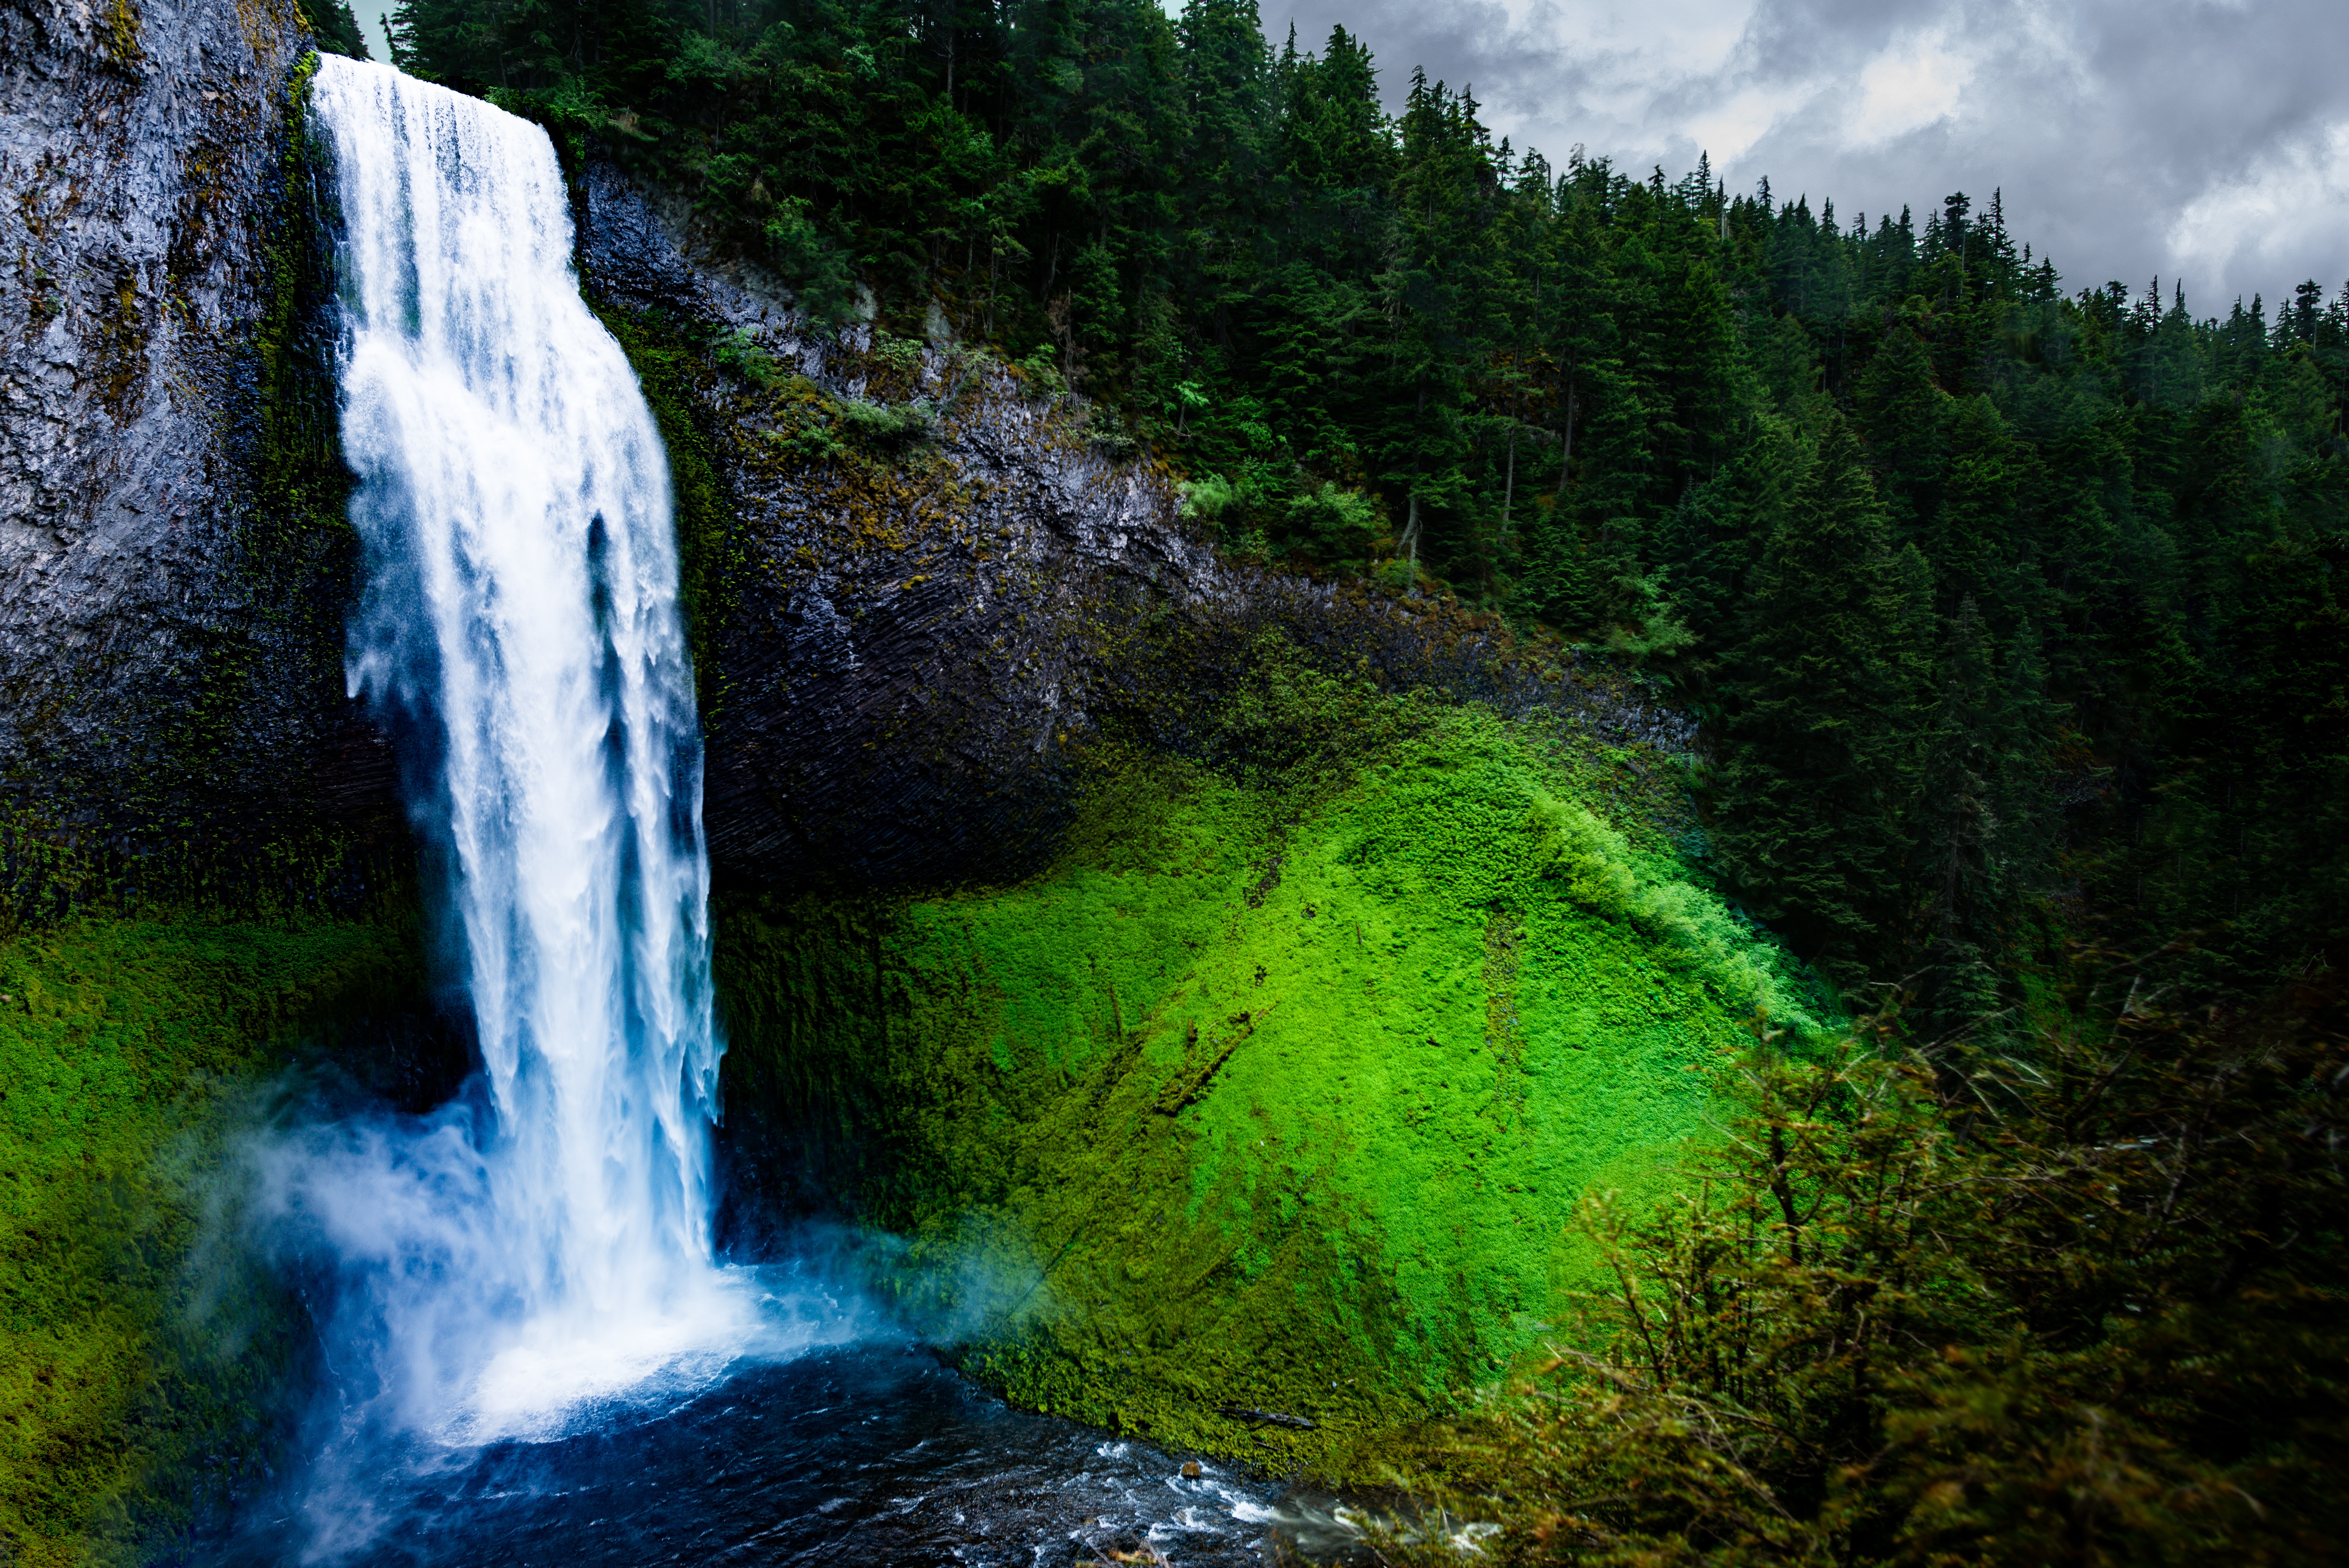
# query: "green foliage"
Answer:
x=882 y=425
x=1277 y=1089
x=1254 y=516
x=2079 y=1306
x=1826 y=753
x=738 y=352
x=816 y=267
x=1334 y=524
x=1041 y=370
x=126 y=1049
x=336 y=29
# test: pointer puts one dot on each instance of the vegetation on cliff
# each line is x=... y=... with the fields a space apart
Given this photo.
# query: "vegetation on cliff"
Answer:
x=137 y=1376
x=2077 y=1304
x=1979 y=580
x=1278 y=1091
x=2011 y=615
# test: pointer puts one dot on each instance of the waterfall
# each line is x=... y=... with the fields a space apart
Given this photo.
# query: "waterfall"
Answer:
x=545 y=1242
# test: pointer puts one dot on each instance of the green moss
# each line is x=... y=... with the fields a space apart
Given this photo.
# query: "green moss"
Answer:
x=296 y=552
x=123 y=1045
x=120 y=29
x=1279 y=1091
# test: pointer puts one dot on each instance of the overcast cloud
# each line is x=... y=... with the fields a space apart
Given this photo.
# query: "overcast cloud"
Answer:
x=2195 y=138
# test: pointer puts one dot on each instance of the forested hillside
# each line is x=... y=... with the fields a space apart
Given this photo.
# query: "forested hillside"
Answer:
x=2011 y=605
x=2008 y=605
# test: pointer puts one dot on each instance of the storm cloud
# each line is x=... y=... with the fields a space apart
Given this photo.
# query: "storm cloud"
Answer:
x=2202 y=141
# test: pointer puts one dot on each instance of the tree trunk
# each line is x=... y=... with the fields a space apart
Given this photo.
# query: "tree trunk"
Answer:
x=1509 y=487
x=1566 y=463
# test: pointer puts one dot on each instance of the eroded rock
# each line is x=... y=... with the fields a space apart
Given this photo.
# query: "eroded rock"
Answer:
x=172 y=563
x=913 y=642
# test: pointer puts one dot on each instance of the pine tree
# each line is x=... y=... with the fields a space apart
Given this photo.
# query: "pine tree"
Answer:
x=1900 y=408
x=1828 y=727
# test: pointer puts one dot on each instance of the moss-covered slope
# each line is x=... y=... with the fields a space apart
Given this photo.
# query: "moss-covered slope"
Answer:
x=1277 y=1093
x=124 y=1044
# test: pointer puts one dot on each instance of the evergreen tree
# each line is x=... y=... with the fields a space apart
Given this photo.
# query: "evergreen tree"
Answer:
x=1828 y=725
x=1631 y=408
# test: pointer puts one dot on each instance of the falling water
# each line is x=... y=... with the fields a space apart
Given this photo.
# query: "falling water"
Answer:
x=507 y=1260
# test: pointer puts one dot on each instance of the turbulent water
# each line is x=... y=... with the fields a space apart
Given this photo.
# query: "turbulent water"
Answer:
x=870 y=1455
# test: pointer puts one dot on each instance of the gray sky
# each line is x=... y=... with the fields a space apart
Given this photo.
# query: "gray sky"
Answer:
x=2206 y=139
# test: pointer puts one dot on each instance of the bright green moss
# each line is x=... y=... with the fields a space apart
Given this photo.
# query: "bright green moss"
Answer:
x=122 y=1044
x=1277 y=1095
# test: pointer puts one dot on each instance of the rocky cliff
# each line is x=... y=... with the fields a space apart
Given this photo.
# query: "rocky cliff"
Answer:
x=173 y=566
x=922 y=586
x=927 y=585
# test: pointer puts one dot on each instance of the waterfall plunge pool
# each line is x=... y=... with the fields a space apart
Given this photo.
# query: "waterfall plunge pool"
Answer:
x=870 y=1453
x=532 y=1353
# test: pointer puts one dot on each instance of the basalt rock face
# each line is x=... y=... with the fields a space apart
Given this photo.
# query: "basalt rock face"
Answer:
x=933 y=591
x=922 y=591
x=173 y=569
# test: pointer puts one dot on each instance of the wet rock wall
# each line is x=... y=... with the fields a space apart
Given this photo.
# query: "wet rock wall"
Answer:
x=173 y=564
x=932 y=592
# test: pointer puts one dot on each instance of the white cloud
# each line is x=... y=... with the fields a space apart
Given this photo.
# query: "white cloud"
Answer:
x=1728 y=129
x=1907 y=87
x=2269 y=216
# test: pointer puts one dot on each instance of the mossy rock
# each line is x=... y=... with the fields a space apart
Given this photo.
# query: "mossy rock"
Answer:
x=1275 y=1095
x=129 y=1051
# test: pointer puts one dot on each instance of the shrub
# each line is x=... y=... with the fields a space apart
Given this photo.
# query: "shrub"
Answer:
x=2081 y=1302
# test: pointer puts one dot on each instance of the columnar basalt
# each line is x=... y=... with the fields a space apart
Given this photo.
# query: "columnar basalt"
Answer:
x=933 y=586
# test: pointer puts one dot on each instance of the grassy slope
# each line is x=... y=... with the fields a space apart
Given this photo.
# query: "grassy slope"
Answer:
x=118 y=1040
x=1260 y=1101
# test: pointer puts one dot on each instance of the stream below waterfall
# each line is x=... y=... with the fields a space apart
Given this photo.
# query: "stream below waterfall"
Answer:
x=870 y=1454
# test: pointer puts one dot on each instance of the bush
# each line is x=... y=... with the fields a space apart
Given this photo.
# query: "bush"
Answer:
x=881 y=425
x=1336 y=524
x=2083 y=1303
x=738 y=352
x=812 y=262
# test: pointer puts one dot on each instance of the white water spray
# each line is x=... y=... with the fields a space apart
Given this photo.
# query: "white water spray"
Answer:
x=522 y=613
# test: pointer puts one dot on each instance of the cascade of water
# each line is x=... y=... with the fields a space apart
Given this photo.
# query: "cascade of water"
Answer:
x=521 y=612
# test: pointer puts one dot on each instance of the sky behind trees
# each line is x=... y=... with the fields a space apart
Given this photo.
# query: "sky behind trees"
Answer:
x=2204 y=138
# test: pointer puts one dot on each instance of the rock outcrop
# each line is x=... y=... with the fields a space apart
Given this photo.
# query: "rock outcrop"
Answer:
x=932 y=587
x=172 y=567
x=921 y=585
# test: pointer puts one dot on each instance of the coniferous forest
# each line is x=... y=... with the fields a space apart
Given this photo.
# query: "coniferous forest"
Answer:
x=2010 y=603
